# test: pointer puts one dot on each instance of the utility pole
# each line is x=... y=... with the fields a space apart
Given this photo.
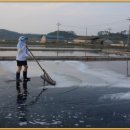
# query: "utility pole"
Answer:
x=109 y=29
x=58 y=28
x=128 y=42
x=86 y=35
x=129 y=35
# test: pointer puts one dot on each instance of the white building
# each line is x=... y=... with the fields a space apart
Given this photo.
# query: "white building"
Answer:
x=43 y=39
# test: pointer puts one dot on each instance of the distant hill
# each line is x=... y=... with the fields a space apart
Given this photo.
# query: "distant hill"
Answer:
x=65 y=34
x=11 y=35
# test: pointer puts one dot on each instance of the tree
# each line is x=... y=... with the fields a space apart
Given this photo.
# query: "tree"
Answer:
x=101 y=33
x=65 y=34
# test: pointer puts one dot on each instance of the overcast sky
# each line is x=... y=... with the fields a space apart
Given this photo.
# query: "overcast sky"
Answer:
x=42 y=17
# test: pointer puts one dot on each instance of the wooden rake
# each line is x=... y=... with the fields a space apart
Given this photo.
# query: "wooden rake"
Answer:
x=45 y=76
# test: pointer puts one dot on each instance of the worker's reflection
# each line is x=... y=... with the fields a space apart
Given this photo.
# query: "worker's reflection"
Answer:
x=21 y=102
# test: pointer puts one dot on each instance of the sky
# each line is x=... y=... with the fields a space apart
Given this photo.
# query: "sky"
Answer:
x=84 y=18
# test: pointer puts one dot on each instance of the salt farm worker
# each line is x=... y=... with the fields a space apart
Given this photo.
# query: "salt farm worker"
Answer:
x=21 y=58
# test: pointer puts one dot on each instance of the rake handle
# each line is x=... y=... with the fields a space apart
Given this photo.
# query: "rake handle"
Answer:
x=37 y=61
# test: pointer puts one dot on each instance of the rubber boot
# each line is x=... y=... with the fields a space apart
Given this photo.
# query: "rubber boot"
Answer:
x=25 y=78
x=18 y=77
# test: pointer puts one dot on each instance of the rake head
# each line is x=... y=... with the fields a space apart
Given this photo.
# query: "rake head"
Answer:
x=48 y=79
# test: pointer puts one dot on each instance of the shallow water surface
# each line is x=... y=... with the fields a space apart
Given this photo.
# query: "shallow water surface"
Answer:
x=87 y=94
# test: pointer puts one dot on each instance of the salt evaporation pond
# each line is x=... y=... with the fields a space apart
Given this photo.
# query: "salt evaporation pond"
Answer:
x=87 y=94
x=53 y=53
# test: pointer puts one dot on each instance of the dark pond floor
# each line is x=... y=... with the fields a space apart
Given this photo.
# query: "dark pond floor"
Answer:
x=32 y=105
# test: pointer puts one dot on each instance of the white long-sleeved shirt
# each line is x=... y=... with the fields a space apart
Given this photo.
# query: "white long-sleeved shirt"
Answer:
x=22 y=51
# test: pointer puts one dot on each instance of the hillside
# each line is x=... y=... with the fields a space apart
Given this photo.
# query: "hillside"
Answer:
x=65 y=34
x=11 y=35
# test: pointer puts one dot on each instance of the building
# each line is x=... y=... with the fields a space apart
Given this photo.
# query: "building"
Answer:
x=83 y=39
x=43 y=39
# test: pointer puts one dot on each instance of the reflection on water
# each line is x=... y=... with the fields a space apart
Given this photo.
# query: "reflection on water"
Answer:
x=21 y=102
x=19 y=90
x=23 y=106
